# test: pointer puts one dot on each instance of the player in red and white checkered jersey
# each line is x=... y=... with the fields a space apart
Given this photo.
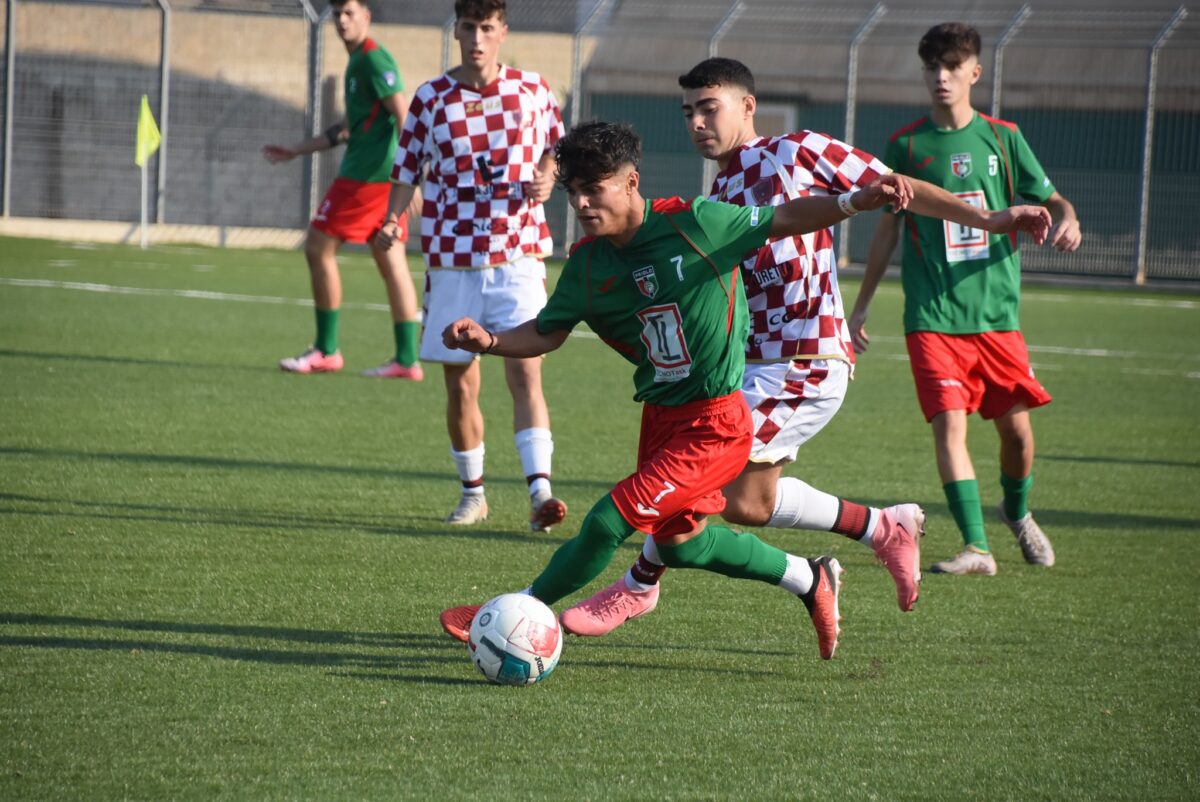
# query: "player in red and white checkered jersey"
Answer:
x=799 y=354
x=482 y=137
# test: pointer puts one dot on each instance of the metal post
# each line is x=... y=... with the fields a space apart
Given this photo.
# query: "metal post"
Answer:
x=860 y=36
x=1010 y=32
x=727 y=22
x=164 y=116
x=576 y=109
x=316 y=51
x=10 y=66
x=1139 y=275
x=447 y=38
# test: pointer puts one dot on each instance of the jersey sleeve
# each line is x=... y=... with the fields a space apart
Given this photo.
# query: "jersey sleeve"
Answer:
x=1030 y=180
x=564 y=308
x=385 y=76
x=553 y=117
x=733 y=230
x=895 y=157
x=413 y=150
x=836 y=167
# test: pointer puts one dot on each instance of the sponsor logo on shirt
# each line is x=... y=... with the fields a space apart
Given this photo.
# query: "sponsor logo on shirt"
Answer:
x=353 y=86
x=960 y=164
x=735 y=185
x=646 y=280
x=921 y=165
x=389 y=78
x=769 y=277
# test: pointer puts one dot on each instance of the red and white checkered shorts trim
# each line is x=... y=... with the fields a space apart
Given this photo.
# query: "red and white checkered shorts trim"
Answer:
x=790 y=402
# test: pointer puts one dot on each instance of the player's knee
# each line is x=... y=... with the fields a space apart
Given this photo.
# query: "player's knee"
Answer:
x=747 y=511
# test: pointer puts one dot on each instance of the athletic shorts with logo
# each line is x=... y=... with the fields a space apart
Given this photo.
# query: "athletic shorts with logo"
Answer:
x=497 y=298
x=686 y=454
x=790 y=402
x=353 y=211
x=988 y=373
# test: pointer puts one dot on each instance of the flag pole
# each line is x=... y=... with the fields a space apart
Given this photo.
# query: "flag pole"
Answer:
x=145 y=210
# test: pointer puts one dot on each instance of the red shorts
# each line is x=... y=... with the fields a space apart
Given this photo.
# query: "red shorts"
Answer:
x=988 y=372
x=353 y=211
x=685 y=456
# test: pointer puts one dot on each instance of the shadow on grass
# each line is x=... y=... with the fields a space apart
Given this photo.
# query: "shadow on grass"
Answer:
x=353 y=664
x=106 y=359
x=1136 y=463
x=238 y=464
x=257 y=519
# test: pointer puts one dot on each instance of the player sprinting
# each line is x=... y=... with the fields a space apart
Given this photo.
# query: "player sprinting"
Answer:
x=482 y=135
x=962 y=294
x=659 y=282
x=355 y=206
x=799 y=354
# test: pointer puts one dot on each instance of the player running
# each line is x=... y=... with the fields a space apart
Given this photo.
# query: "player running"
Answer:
x=482 y=136
x=799 y=355
x=962 y=289
x=355 y=206
x=659 y=282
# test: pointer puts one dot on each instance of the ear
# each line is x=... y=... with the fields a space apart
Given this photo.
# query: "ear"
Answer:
x=633 y=181
x=976 y=72
x=749 y=105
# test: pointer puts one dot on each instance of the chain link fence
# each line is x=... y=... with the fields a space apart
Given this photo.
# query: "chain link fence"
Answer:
x=1108 y=97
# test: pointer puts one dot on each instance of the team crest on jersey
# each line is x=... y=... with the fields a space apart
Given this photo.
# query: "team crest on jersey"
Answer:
x=960 y=164
x=763 y=191
x=646 y=280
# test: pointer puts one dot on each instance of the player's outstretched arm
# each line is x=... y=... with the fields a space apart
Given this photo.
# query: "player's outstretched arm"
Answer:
x=813 y=213
x=521 y=342
x=883 y=244
x=933 y=201
x=333 y=137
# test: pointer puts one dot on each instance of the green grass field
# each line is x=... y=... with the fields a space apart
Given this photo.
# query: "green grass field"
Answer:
x=220 y=581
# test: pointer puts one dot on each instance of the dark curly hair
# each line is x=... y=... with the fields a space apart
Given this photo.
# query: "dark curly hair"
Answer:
x=593 y=151
x=480 y=9
x=950 y=43
x=718 y=72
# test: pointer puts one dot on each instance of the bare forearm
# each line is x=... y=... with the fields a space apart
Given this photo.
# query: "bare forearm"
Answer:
x=883 y=245
x=933 y=201
x=525 y=341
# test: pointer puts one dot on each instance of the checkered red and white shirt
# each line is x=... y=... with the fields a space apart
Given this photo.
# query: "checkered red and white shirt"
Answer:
x=480 y=146
x=795 y=306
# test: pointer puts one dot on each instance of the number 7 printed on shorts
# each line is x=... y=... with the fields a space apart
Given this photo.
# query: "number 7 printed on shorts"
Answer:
x=668 y=488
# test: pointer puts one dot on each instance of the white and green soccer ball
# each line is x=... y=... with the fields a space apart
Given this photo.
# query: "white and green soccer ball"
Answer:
x=515 y=640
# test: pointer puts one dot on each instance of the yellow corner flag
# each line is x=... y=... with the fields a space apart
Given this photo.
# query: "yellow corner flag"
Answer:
x=148 y=137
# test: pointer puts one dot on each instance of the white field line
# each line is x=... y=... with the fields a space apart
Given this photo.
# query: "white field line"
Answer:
x=209 y=295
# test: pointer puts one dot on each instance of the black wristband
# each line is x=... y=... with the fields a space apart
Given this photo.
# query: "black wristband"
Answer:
x=332 y=133
x=491 y=345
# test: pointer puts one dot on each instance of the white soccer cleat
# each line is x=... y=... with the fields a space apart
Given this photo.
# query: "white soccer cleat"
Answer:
x=1030 y=537
x=471 y=509
x=969 y=561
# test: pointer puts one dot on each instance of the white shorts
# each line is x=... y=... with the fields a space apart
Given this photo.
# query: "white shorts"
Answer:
x=499 y=297
x=790 y=402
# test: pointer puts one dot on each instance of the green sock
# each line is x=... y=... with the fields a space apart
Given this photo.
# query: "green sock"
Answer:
x=408 y=340
x=967 y=511
x=1016 y=496
x=327 y=331
x=739 y=555
x=582 y=558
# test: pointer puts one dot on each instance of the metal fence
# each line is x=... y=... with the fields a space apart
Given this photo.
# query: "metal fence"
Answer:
x=1108 y=97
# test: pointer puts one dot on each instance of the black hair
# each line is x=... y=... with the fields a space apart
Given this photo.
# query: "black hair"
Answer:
x=950 y=43
x=480 y=9
x=718 y=72
x=595 y=150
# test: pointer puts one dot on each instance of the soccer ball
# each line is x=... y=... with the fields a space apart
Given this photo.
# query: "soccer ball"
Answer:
x=515 y=640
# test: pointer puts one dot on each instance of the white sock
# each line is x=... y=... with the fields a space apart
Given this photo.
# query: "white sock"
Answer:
x=535 y=447
x=798 y=576
x=470 y=468
x=801 y=506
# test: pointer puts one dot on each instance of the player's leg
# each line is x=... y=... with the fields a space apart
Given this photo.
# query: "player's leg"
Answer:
x=320 y=252
x=402 y=301
x=513 y=294
x=1012 y=391
x=464 y=422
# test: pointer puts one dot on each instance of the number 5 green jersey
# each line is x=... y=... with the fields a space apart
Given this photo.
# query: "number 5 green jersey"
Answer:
x=669 y=301
x=960 y=280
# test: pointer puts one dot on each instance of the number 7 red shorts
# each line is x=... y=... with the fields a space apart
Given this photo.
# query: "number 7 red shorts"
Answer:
x=686 y=455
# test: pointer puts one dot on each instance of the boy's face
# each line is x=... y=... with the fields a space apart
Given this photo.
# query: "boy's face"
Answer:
x=603 y=207
x=717 y=118
x=351 y=19
x=950 y=86
x=479 y=40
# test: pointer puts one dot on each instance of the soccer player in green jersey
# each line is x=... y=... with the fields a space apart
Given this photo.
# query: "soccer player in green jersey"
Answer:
x=962 y=294
x=355 y=208
x=658 y=281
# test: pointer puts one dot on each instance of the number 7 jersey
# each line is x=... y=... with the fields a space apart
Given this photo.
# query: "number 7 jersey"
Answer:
x=670 y=301
x=478 y=148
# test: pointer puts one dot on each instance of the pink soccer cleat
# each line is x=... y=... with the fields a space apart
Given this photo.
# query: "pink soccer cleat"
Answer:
x=394 y=370
x=897 y=544
x=822 y=603
x=608 y=609
x=313 y=361
x=457 y=621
